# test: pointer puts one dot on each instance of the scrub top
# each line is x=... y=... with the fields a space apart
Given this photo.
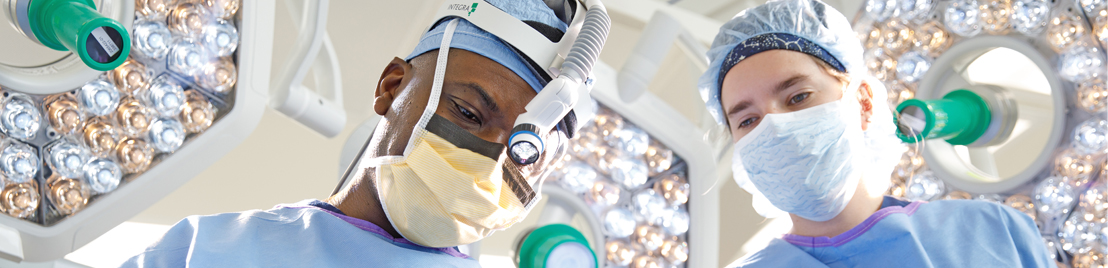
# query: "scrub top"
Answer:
x=310 y=233
x=945 y=233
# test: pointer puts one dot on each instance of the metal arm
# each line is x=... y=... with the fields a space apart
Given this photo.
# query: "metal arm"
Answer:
x=320 y=110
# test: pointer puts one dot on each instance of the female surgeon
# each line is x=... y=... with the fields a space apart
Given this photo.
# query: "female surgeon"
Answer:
x=808 y=125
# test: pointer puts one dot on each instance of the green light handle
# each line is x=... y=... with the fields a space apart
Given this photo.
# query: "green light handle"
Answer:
x=960 y=118
x=74 y=25
x=536 y=248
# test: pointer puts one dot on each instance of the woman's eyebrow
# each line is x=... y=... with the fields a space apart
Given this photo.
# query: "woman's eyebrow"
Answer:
x=485 y=99
x=796 y=79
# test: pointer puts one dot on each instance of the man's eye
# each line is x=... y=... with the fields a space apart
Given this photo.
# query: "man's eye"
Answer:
x=799 y=98
x=747 y=122
x=469 y=115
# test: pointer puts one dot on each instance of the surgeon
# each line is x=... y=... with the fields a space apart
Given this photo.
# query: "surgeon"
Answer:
x=809 y=126
x=433 y=176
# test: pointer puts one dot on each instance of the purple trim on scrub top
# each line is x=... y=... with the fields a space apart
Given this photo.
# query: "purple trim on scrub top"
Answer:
x=838 y=240
x=373 y=228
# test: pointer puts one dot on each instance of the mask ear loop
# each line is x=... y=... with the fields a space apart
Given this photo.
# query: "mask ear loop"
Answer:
x=436 y=88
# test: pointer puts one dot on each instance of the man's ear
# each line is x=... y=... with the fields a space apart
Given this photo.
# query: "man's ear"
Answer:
x=388 y=87
x=865 y=101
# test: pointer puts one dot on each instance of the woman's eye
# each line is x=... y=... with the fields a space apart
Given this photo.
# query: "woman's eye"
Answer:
x=747 y=122
x=799 y=98
x=469 y=115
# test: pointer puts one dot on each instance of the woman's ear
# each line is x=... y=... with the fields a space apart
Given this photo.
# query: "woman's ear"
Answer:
x=389 y=86
x=865 y=101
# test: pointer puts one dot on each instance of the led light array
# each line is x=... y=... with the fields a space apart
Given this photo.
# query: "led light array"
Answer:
x=59 y=152
x=903 y=37
x=637 y=188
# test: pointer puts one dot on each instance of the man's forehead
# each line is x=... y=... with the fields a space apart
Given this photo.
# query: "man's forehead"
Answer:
x=474 y=72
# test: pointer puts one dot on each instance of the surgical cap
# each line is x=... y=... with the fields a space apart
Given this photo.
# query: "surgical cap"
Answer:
x=807 y=26
x=814 y=28
x=469 y=37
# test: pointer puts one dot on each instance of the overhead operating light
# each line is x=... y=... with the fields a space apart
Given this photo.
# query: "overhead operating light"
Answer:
x=1002 y=101
x=83 y=149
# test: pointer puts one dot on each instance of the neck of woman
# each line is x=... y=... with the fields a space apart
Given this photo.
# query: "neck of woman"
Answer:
x=863 y=204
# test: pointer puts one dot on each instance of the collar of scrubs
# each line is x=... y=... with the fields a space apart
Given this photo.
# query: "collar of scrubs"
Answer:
x=367 y=226
x=823 y=241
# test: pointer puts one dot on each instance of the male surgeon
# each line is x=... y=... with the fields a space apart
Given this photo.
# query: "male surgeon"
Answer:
x=433 y=176
x=809 y=125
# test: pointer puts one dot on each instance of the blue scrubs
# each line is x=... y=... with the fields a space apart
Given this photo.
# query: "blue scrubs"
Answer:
x=307 y=234
x=946 y=233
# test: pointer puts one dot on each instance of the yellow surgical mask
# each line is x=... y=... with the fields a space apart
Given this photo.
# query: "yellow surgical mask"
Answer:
x=450 y=187
x=441 y=195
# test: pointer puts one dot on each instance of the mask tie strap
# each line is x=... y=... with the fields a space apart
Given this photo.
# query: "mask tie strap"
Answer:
x=436 y=87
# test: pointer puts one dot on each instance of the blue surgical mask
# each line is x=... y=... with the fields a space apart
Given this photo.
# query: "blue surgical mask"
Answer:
x=804 y=162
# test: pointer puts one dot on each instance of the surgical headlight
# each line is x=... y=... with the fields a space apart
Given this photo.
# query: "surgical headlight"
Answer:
x=568 y=62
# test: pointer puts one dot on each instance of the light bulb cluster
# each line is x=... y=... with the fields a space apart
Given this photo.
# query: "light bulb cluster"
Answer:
x=635 y=185
x=60 y=152
x=903 y=38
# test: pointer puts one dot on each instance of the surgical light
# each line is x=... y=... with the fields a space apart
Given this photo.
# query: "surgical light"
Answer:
x=102 y=175
x=1029 y=17
x=896 y=36
x=197 y=113
x=962 y=17
x=195 y=86
x=151 y=39
x=932 y=38
x=19 y=117
x=915 y=10
x=1092 y=95
x=187 y=57
x=650 y=205
x=619 y=253
x=132 y=117
x=187 y=19
x=1091 y=136
x=880 y=10
x=63 y=114
x=676 y=221
x=98 y=97
x=131 y=76
x=66 y=158
x=19 y=200
x=1022 y=203
x=220 y=38
x=67 y=195
x=100 y=136
x=1065 y=28
x=1076 y=168
x=674 y=189
x=218 y=76
x=924 y=186
x=911 y=66
x=223 y=9
x=995 y=16
x=134 y=155
x=619 y=222
x=650 y=237
x=603 y=194
x=637 y=187
x=18 y=161
x=675 y=251
x=629 y=171
x=658 y=159
x=578 y=177
x=1081 y=62
x=1054 y=197
x=166 y=134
